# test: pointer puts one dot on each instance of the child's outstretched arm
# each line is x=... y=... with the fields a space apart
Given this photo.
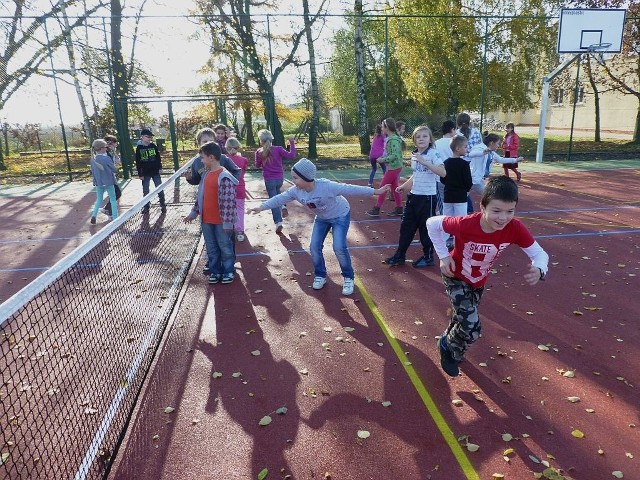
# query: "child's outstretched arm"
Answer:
x=539 y=263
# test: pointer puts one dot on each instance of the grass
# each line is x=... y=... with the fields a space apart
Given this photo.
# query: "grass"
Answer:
x=339 y=152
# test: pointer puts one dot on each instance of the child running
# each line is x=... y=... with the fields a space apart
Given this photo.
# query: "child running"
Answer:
x=479 y=240
x=481 y=157
x=393 y=159
x=510 y=145
x=422 y=199
x=216 y=205
x=233 y=150
x=103 y=170
x=269 y=159
x=325 y=199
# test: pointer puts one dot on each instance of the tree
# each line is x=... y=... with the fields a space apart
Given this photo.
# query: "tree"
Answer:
x=623 y=70
x=237 y=37
x=25 y=46
x=361 y=88
x=315 y=91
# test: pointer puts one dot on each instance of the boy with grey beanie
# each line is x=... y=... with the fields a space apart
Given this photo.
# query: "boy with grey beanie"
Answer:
x=333 y=213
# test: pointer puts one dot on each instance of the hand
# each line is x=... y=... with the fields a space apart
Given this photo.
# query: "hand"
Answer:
x=486 y=150
x=141 y=178
x=520 y=159
x=447 y=266
x=380 y=160
x=382 y=189
x=187 y=174
x=532 y=276
x=253 y=210
x=291 y=139
x=187 y=219
x=400 y=189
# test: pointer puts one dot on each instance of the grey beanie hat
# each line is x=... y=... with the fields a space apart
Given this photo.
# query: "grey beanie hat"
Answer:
x=305 y=169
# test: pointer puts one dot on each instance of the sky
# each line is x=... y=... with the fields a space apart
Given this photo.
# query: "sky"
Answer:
x=163 y=50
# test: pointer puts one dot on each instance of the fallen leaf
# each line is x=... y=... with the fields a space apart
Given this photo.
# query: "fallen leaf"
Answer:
x=386 y=403
x=507 y=437
x=457 y=402
x=617 y=474
x=281 y=410
x=472 y=447
x=263 y=474
x=569 y=374
x=257 y=291
x=544 y=348
x=256 y=353
x=216 y=374
x=349 y=329
x=573 y=399
x=363 y=434
x=169 y=410
x=264 y=421
x=304 y=371
x=577 y=433
x=327 y=329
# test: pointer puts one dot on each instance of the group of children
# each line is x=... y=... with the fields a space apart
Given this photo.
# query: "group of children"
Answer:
x=467 y=245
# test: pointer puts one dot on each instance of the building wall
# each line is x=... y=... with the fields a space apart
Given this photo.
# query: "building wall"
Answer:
x=617 y=112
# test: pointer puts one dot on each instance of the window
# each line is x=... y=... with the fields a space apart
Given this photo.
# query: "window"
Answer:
x=558 y=96
x=580 y=94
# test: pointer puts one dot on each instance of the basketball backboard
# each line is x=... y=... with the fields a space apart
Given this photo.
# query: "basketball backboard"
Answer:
x=582 y=28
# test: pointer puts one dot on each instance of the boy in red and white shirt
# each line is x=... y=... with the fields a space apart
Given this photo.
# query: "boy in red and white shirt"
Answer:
x=479 y=240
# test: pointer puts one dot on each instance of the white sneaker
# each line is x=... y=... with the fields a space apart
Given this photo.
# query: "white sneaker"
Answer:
x=103 y=211
x=347 y=287
x=240 y=237
x=279 y=227
x=319 y=282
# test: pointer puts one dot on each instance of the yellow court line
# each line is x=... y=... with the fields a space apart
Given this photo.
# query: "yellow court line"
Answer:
x=437 y=417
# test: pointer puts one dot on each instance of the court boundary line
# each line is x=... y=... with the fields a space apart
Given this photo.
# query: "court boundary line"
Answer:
x=463 y=460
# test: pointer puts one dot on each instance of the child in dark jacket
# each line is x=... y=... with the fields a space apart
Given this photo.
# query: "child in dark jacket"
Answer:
x=148 y=166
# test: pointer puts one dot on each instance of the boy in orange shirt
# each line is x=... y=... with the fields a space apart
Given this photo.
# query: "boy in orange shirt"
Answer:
x=216 y=206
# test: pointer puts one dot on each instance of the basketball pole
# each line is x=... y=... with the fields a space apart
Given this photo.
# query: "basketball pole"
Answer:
x=546 y=81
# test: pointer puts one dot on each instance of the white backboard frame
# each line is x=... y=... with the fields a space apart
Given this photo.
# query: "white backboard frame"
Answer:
x=580 y=28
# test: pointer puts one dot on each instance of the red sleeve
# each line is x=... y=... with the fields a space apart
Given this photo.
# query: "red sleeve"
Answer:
x=523 y=237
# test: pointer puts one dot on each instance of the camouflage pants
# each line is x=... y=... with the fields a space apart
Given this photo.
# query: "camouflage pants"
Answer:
x=464 y=327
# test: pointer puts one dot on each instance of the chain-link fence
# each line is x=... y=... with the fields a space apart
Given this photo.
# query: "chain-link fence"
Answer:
x=122 y=71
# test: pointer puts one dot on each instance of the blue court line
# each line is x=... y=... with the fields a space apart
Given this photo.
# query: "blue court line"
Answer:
x=356 y=247
x=52 y=239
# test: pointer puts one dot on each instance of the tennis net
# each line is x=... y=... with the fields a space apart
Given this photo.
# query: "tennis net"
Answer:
x=76 y=344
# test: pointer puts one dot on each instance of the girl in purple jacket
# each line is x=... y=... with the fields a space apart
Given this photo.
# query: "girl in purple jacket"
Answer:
x=269 y=160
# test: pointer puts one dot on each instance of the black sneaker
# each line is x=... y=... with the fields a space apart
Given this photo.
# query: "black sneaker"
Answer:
x=228 y=277
x=396 y=212
x=393 y=261
x=423 y=262
x=215 y=278
x=447 y=362
x=93 y=220
x=374 y=212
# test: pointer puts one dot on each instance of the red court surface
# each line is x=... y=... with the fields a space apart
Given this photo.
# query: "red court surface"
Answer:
x=332 y=361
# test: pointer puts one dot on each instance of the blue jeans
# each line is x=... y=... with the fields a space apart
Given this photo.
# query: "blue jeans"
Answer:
x=374 y=169
x=220 y=251
x=156 y=181
x=273 y=188
x=339 y=227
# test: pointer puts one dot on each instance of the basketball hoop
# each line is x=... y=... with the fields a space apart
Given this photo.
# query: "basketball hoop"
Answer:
x=597 y=50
